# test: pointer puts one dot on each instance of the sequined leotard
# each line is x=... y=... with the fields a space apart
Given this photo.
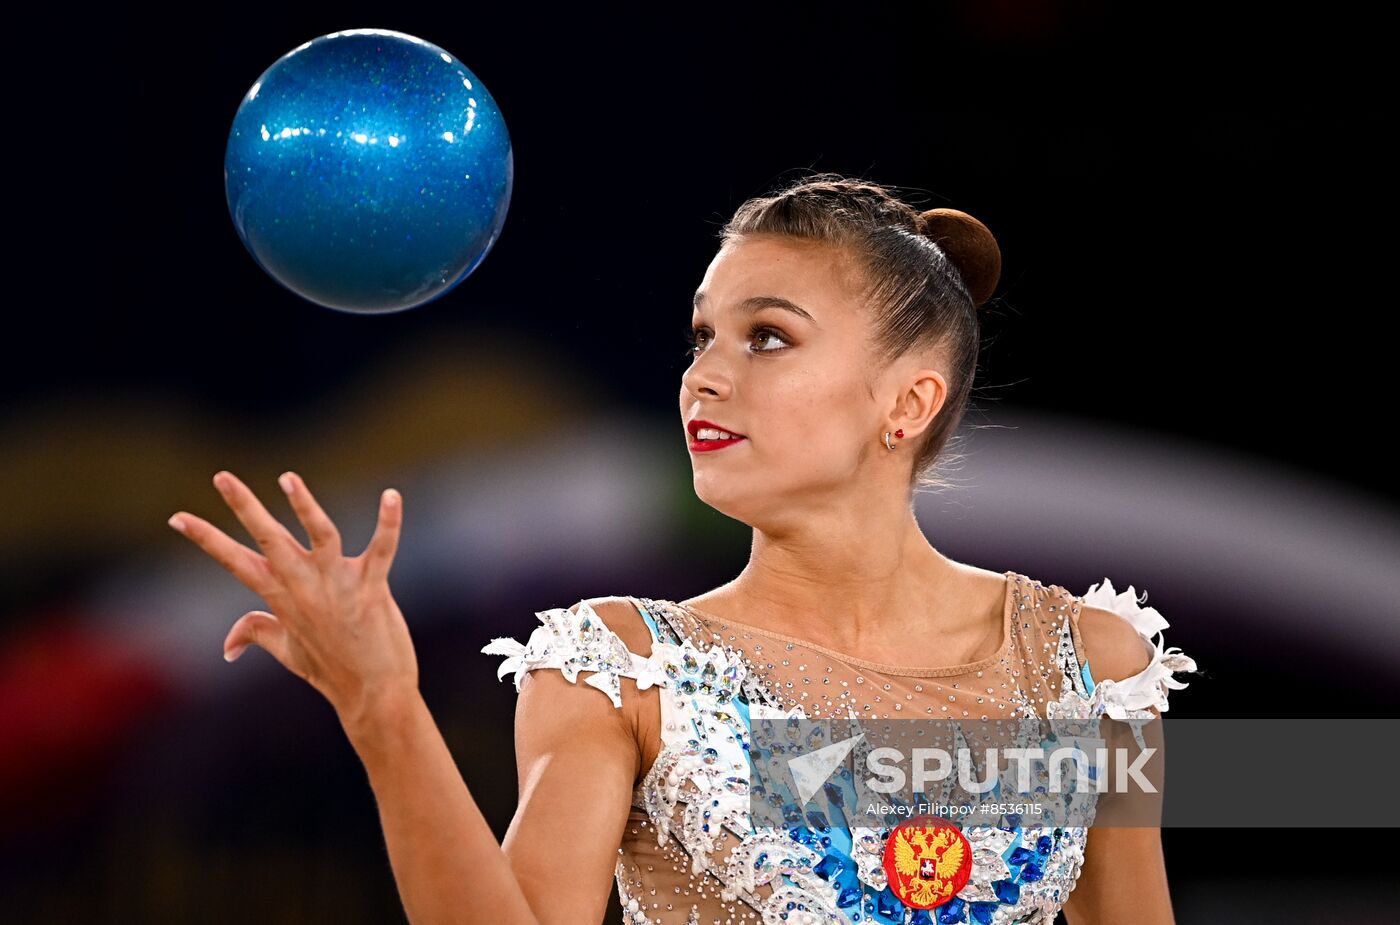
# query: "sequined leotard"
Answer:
x=690 y=853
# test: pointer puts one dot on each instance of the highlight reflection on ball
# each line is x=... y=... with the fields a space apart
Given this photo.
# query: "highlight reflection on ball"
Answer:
x=368 y=171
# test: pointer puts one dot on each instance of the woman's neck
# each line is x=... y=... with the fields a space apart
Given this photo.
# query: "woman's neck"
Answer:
x=860 y=596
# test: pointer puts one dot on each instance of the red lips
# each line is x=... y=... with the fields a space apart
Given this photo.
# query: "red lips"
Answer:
x=703 y=446
x=695 y=425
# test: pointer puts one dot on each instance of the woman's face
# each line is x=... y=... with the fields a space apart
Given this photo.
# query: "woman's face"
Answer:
x=800 y=384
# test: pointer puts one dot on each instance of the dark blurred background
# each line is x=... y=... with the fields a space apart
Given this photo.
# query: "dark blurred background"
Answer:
x=1184 y=388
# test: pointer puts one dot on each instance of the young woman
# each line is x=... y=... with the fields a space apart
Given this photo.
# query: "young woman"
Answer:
x=835 y=340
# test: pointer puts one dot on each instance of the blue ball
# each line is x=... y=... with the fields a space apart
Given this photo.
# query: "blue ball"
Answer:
x=368 y=171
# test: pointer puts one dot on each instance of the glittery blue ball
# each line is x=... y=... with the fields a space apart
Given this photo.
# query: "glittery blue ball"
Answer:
x=368 y=171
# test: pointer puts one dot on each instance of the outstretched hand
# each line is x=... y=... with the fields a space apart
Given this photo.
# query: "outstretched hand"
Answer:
x=332 y=619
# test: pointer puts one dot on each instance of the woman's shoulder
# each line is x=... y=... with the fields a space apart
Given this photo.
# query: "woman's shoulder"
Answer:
x=1105 y=623
x=623 y=615
x=1121 y=640
x=1118 y=649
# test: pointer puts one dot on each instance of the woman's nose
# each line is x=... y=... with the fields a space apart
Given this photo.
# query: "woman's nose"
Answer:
x=706 y=375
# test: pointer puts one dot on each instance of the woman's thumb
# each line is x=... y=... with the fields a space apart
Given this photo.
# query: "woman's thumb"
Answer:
x=254 y=627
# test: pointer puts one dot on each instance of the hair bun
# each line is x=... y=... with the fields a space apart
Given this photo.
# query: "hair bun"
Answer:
x=971 y=247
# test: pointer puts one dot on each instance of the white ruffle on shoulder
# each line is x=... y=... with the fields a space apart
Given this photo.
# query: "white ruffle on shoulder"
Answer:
x=1131 y=697
x=574 y=642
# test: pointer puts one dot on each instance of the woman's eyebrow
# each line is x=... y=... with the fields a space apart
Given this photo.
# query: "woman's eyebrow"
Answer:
x=754 y=303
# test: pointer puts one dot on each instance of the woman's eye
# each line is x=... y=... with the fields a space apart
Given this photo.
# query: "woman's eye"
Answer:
x=698 y=339
x=692 y=336
x=773 y=335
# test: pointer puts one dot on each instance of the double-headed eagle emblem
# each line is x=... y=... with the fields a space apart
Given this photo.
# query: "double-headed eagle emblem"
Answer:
x=931 y=862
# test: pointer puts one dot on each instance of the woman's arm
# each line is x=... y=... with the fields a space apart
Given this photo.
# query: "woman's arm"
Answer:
x=577 y=760
x=1124 y=877
x=334 y=623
